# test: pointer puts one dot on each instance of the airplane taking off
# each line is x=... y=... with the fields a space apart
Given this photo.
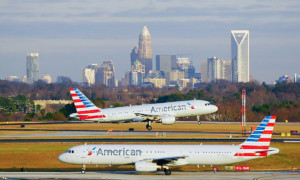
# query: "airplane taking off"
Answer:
x=164 y=113
x=149 y=158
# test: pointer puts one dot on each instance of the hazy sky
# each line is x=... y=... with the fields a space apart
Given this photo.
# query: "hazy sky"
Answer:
x=69 y=34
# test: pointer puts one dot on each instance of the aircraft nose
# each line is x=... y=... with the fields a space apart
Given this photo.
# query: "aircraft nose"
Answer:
x=214 y=108
x=62 y=157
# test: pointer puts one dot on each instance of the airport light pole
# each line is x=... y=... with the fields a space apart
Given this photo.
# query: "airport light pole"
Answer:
x=243 y=111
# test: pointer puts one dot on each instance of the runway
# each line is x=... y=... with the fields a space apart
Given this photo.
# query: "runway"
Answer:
x=183 y=122
x=136 y=140
x=68 y=132
x=159 y=175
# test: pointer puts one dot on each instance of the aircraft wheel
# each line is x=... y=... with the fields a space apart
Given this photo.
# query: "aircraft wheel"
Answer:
x=167 y=171
x=149 y=127
x=83 y=169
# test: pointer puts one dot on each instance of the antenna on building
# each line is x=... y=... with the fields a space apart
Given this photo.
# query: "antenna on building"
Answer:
x=243 y=110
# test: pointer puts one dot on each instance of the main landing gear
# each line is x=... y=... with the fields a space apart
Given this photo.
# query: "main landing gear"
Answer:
x=167 y=171
x=198 y=119
x=148 y=126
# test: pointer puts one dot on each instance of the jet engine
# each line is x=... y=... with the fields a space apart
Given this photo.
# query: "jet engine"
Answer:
x=145 y=166
x=168 y=119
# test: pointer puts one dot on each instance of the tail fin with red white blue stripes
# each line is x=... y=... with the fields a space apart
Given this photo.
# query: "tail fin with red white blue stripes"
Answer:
x=85 y=108
x=258 y=143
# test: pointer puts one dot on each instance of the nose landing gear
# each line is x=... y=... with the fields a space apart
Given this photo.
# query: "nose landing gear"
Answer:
x=83 y=169
x=198 y=119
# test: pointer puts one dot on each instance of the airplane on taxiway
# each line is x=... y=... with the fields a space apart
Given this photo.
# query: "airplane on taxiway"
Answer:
x=149 y=158
x=164 y=113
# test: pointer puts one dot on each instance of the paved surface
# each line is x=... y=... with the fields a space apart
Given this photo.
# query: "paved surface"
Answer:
x=125 y=140
x=66 y=133
x=159 y=175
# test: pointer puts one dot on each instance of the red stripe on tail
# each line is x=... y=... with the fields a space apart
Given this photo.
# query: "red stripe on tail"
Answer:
x=80 y=106
x=267 y=132
x=251 y=154
x=91 y=117
x=264 y=140
x=89 y=111
x=76 y=100
x=254 y=147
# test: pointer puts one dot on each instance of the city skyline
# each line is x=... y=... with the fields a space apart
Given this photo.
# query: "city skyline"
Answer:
x=78 y=34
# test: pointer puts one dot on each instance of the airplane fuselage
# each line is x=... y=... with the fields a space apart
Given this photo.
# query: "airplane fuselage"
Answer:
x=147 y=158
x=177 y=109
x=129 y=154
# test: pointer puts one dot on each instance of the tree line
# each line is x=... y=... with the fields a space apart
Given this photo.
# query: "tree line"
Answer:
x=281 y=99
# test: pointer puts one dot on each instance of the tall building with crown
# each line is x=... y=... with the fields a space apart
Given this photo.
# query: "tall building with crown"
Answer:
x=32 y=67
x=144 y=50
x=240 y=55
x=106 y=74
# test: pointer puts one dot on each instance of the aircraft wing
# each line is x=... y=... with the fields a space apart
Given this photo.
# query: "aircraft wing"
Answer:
x=170 y=161
x=151 y=117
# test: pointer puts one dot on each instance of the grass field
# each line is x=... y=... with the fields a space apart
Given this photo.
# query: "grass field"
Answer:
x=110 y=136
x=207 y=127
x=43 y=156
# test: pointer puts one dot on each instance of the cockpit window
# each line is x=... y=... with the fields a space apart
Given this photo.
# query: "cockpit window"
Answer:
x=70 y=151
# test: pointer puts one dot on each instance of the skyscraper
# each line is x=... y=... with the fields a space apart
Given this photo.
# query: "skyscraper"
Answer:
x=184 y=64
x=218 y=69
x=137 y=73
x=214 y=69
x=203 y=70
x=106 y=74
x=32 y=67
x=240 y=55
x=173 y=76
x=145 y=51
x=165 y=63
x=89 y=73
x=228 y=70
x=134 y=55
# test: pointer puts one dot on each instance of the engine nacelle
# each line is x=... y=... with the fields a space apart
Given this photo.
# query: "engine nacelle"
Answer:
x=144 y=166
x=168 y=120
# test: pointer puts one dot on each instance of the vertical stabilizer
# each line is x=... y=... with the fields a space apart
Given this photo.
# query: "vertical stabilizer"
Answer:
x=85 y=108
x=257 y=144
